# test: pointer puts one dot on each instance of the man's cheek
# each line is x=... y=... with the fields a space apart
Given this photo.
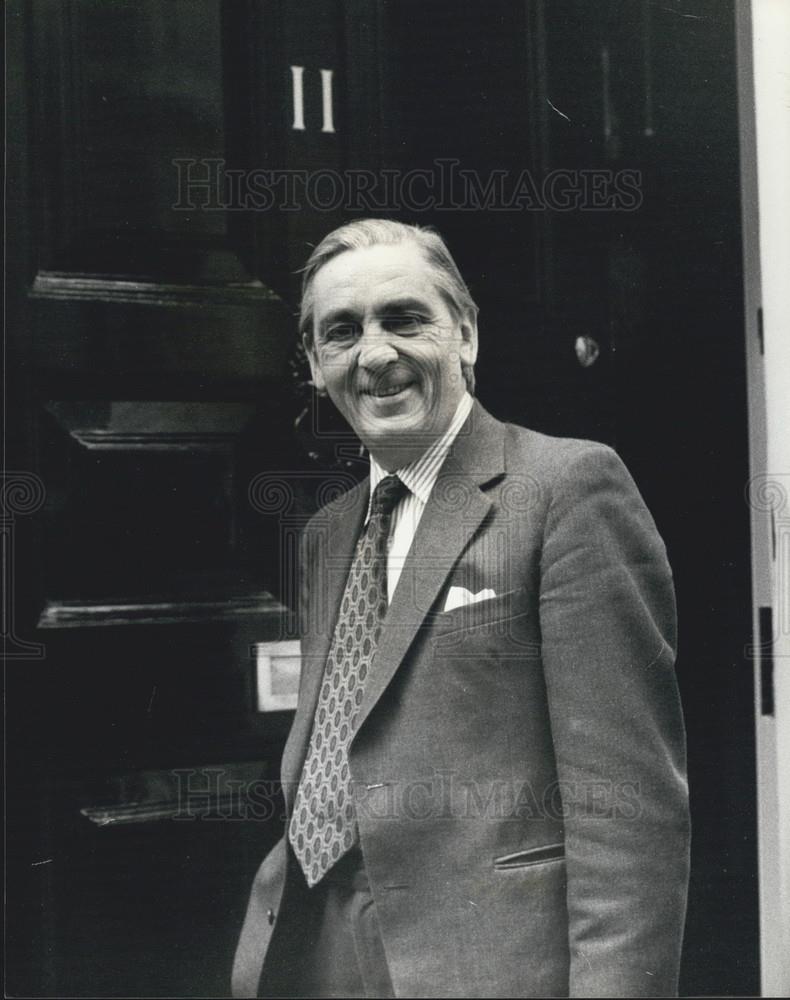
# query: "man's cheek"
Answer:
x=345 y=407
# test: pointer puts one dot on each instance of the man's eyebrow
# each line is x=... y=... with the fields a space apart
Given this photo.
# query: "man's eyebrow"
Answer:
x=337 y=316
x=392 y=307
x=403 y=305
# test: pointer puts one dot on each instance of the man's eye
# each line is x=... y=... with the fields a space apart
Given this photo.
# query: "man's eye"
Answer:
x=340 y=332
x=405 y=324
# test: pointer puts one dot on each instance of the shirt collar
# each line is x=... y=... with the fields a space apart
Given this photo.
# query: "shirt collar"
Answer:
x=420 y=475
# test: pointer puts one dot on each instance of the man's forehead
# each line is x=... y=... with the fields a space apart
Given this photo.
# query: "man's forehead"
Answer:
x=370 y=275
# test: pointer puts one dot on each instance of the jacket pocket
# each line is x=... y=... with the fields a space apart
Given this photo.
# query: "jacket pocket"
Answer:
x=491 y=611
x=534 y=856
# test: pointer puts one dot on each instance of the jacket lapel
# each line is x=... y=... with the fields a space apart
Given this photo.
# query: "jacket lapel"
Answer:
x=456 y=509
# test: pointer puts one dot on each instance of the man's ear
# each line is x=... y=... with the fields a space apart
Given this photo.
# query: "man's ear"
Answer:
x=468 y=331
x=315 y=367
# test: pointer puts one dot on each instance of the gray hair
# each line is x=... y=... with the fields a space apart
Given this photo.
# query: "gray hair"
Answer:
x=363 y=233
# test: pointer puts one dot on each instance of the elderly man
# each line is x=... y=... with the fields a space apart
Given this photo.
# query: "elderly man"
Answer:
x=485 y=779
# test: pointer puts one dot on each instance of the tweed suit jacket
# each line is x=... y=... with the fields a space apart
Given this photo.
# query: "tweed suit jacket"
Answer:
x=519 y=762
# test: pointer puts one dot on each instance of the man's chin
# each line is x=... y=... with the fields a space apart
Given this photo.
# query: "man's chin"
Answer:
x=400 y=438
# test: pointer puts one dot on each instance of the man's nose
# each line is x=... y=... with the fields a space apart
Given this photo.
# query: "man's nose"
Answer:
x=375 y=348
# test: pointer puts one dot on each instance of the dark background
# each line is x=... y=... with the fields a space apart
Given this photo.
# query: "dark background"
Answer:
x=152 y=376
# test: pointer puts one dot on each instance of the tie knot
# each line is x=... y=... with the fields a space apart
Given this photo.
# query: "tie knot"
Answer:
x=386 y=495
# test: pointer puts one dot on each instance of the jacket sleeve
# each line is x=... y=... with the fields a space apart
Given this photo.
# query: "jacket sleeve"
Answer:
x=607 y=613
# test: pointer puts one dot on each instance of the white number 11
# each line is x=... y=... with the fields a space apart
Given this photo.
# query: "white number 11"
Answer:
x=297 y=79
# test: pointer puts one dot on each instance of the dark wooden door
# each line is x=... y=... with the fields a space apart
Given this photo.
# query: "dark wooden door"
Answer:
x=151 y=385
x=171 y=166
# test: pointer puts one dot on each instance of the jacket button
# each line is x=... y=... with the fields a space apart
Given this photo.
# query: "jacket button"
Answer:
x=270 y=916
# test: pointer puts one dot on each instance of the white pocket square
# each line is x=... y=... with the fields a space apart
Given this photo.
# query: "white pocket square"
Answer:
x=459 y=597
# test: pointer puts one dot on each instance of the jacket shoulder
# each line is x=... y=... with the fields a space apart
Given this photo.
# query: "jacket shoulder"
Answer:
x=548 y=458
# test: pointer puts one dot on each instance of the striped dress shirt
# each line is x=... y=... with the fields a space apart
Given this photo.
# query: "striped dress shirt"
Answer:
x=419 y=476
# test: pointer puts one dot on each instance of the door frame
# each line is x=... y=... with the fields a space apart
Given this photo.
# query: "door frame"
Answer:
x=763 y=47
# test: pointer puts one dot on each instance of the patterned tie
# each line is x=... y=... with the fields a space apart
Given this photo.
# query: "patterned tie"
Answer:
x=324 y=825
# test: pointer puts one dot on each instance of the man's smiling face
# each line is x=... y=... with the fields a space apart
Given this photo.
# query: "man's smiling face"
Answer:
x=388 y=349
